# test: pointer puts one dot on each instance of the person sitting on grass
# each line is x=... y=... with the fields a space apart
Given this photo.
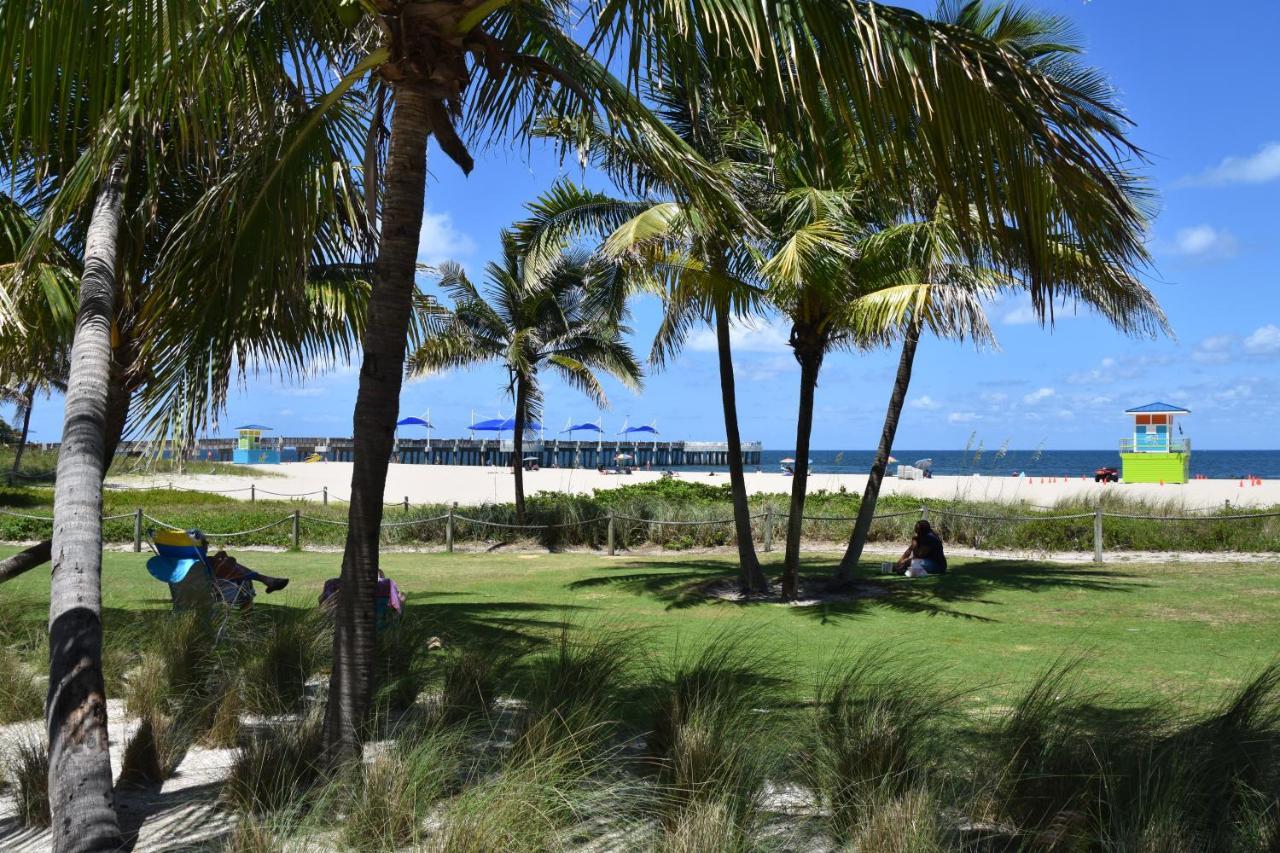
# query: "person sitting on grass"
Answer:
x=926 y=548
x=234 y=581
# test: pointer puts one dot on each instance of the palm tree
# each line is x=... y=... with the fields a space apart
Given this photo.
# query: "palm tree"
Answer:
x=930 y=246
x=86 y=123
x=562 y=312
x=886 y=68
x=699 y=267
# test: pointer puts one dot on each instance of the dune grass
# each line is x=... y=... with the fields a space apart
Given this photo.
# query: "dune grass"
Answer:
x=581 y=702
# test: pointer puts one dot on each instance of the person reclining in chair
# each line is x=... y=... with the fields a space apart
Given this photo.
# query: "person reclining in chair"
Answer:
x=235 y=581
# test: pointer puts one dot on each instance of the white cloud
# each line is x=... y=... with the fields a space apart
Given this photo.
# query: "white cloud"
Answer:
x=962 y=417
x=1037 y=395
x=303 y=391
x=1022 y=315
x=925 y=402
x=750 y=335
x=994 y=398
x=1234 y=393
x=1205 y=241
x=1103 y=374
x=1264 y=341
x=1215 y=349
x=440 y=240
x=1257 y=168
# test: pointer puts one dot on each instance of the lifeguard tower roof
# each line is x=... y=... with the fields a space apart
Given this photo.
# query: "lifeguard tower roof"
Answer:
x=1157 y=409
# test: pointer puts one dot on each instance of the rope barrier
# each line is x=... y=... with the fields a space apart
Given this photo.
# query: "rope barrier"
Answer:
x=497 y=523
x=210 y=535
x=414 y=521
x=289 y=495
x=24 y=515
x=1232 y=517
x=322 y=520
x=673 y=523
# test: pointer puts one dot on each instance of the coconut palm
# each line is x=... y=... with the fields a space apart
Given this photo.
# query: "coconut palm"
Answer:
x=561 y=314
x=699 y=268
x=930 y=245
x=93 y=104
x=493 y=66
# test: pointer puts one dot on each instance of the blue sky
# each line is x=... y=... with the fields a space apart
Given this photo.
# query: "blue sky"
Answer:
x=1198 y=80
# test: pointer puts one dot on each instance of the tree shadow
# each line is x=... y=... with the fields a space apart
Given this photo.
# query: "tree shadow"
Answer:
x=499 y=624
x=689 y=583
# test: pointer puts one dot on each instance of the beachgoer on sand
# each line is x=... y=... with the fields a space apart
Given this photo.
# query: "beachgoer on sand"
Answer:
x=923 y=554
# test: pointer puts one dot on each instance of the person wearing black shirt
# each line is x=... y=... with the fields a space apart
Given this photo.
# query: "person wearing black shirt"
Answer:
x=926 y=546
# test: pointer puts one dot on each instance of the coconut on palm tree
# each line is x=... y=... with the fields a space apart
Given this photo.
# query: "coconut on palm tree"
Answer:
x=562 y=314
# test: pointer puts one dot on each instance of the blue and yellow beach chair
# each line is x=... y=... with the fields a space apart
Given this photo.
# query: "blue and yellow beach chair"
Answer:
x=181 y=562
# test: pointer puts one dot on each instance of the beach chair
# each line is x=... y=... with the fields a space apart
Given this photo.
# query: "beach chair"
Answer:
x=181 y=563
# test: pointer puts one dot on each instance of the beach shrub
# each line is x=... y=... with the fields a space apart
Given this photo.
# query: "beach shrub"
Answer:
x=154 y=751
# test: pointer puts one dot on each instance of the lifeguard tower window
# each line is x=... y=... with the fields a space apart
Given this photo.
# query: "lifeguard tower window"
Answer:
x=1151 y=434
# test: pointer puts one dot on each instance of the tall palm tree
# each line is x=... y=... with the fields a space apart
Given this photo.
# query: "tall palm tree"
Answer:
x=562 y=314
x=699 y=267
x=93 y=99
x=930 y=245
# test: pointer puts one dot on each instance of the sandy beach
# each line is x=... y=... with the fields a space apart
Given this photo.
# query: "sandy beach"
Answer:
x=473 y=485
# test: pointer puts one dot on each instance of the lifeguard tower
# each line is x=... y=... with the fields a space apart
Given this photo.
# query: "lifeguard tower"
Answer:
x=1154 y=455
x=251 y=449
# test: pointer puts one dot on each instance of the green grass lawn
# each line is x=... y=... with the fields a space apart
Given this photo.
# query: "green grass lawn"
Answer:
x=1182 y=631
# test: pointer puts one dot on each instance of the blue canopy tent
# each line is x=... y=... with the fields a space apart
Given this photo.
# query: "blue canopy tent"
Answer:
x=416 y=421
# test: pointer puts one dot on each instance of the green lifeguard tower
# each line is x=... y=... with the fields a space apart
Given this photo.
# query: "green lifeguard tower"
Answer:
x=250 y=449
x=1153 y=455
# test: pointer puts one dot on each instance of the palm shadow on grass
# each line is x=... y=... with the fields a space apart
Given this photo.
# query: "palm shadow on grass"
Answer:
x=686 y=585
x=499 y=624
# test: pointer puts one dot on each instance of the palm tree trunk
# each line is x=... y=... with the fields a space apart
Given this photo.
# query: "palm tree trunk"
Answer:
x=810 y=363
x=377 y=406
x=752 y=576
x=80 y=794
x=867 y=507
x=517 y=445
x=26 y=428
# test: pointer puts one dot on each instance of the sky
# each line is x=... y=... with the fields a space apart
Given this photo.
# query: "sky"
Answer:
x=1198 y=80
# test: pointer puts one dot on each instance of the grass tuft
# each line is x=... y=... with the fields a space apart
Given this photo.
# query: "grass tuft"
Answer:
x=21 y=694
x=275 y=770
x=28 y=770
x=873 y=732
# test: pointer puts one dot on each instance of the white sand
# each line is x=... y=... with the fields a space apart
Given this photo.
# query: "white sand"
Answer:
x=473 y=485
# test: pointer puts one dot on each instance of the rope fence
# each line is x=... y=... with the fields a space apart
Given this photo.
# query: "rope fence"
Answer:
x=765 y=524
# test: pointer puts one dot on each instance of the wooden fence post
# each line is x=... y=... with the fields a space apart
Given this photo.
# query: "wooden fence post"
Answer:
x=448 y=531
x=406 y=503
x=253 y=493
x=612 y=550
x=326 y=496
x=768 y=528
x=1097 y=535
x=297 y=530
x=924 y=512
x=137 y=530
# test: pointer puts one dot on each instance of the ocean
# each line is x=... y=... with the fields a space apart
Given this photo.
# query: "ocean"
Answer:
x=1214 y=464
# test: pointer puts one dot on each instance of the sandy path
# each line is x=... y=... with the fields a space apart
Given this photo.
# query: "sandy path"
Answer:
x=470 y=486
